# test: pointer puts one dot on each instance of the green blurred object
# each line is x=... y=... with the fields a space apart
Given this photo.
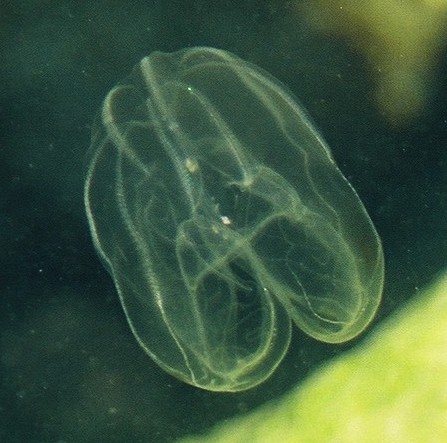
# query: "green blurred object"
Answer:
x=392 y=388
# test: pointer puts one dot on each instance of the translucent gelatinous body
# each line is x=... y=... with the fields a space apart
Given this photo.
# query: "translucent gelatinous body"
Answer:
x=223 y=219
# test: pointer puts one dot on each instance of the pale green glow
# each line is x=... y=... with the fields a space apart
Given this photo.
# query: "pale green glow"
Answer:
x=391 y=389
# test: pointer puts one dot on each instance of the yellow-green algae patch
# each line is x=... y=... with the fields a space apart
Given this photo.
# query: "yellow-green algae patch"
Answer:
x=402 y=40
x=393 y=388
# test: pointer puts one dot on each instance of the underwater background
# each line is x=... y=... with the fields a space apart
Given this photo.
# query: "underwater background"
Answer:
x=71 y=370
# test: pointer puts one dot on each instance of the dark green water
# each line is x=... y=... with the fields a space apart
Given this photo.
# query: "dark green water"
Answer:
x=71 y=371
